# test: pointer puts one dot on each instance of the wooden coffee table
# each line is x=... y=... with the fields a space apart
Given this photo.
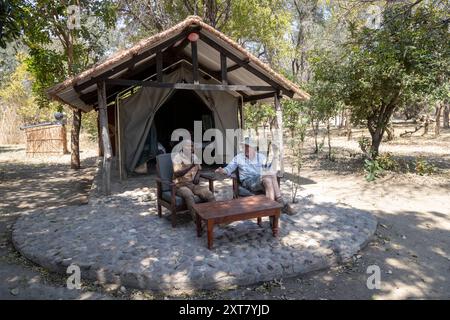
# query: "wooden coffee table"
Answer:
x=236 y=210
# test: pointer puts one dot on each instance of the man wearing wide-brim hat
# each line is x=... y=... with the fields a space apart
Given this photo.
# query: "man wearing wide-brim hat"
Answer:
x=255 y=174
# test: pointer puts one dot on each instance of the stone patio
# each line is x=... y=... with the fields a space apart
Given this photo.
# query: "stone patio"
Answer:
x=120 y=239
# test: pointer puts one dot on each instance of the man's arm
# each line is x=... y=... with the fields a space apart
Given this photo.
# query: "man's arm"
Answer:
x=182 y=172
x=230 y=168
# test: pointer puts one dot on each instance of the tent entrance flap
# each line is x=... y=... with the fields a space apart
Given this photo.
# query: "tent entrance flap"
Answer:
x=181 y=110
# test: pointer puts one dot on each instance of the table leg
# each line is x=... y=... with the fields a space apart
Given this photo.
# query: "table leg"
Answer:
x=275 y=225
x=259 y=221
x=198 y=221
x=210 y=226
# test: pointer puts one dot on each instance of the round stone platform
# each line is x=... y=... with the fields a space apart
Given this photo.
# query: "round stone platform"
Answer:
x=121 y=240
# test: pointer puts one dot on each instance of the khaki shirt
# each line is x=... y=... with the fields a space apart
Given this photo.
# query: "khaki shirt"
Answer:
x=181 y=162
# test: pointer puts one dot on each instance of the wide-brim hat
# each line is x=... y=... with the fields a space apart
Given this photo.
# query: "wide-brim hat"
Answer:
x=249 y=142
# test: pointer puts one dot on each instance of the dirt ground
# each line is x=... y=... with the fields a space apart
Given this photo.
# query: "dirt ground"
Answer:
x=411 y=246
x=26 y=184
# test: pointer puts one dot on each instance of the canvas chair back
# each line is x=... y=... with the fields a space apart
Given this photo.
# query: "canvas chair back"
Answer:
x=164 y=169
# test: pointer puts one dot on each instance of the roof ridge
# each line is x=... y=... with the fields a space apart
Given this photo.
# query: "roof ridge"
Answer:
x=146 y=42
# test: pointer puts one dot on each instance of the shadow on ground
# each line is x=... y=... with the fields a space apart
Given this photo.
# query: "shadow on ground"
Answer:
x=26 y=186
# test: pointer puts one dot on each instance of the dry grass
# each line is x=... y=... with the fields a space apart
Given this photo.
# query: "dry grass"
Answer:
x=348 y=156
x=10 y=122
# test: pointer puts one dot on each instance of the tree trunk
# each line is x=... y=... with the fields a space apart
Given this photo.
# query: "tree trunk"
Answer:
x=426 y=125
x=315 y=128
x=376 y=141
x=75 y=141
x=446 y=116
x=279 y=125
x=377 y=125
x=390 y=132
x=348 y=124
x=342 y=119
x=378 y=122
x=437 y=127
x=76 y=121
x=329 y=139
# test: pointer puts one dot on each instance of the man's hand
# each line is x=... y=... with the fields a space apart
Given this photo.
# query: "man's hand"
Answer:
x=196 y=178
x=180 y=173
x=220 y=170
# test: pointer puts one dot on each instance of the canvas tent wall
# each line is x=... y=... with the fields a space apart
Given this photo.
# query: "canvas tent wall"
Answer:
x=137 y=113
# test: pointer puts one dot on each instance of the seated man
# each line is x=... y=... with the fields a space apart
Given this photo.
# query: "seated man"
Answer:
x=252 y=174
x=186 y=174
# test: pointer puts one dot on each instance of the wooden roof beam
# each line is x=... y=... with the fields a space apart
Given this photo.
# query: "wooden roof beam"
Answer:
x=135 y=59
x=259 y=97
x=188 y=86
x=209 y=41
x=237 y=66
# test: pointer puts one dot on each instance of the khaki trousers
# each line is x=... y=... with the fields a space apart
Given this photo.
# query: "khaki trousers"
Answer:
x=188 y=191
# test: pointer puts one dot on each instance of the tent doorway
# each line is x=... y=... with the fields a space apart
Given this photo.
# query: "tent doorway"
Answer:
x=180 y=111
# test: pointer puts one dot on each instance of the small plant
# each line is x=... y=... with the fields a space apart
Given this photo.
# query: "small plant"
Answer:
x=332 y=156
x=320 y=147
x=364 y=144
x=387 y=162
x=373 y=169
x=422 y=167
x=296 y=144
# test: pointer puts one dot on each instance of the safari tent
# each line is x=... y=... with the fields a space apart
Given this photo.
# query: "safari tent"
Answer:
x=189 y=72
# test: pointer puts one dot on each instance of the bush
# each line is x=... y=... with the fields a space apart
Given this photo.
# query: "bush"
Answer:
x=373 y=169
x=387 y=162
x=422 y=167
x=89 y=125
x=364 y=144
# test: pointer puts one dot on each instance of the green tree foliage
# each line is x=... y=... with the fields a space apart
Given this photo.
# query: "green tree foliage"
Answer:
x=57 y=51
x=260 y=115
x=293 y=119
x=380 y=69
x=12 y=17
x=8 y=58
x=16 y=94
x=258 y=25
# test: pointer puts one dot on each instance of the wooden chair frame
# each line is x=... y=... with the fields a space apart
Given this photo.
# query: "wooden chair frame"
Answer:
x=237 y=183
x=172 y=205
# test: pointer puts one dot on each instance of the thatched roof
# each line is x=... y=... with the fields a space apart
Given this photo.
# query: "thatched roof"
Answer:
x=69 y=91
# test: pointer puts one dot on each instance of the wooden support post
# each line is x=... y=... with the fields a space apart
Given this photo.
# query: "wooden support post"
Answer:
x=99 y=134
x=107 y=152
x=223 y=68
x=194 y=61
x=75 y=139
x=279 y=125
x=159 y=66
x=241 y=114
x=64 y=139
